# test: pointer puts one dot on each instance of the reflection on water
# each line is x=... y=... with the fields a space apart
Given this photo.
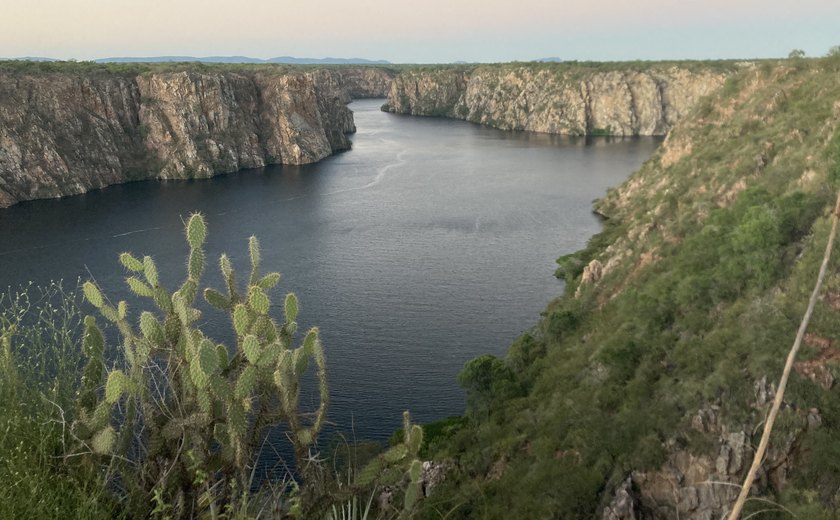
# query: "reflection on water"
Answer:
x=429 y=243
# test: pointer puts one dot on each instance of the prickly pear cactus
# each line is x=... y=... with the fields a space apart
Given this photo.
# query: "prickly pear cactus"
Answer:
x=184 y=412
x=399 y=465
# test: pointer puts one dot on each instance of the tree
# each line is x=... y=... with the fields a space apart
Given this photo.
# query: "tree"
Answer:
x=796 y=54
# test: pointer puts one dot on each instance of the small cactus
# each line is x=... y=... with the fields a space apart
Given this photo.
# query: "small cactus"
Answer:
x=199 y=408
x=400 y=464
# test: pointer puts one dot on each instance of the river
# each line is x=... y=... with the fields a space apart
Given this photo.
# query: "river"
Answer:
x=429 y=243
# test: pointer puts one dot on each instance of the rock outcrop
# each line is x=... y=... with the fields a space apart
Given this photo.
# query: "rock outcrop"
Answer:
x=574 y=100
x=67 y=133
x=703 y=486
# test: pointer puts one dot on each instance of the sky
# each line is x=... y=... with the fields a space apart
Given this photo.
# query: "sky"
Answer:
x=420 y=31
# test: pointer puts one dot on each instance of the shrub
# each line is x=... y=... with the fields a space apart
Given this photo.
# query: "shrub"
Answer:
x=487 y=380
x=39 y=332
x=184 y=420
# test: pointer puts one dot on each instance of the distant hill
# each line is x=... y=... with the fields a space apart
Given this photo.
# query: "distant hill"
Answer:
x=244 y=59
x=552 y=59
x=28 y=58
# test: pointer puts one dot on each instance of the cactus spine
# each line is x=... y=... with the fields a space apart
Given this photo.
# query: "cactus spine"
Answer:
x=184 y=408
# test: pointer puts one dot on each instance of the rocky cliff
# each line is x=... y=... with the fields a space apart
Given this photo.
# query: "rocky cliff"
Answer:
x=64 y=133
x=558 y=99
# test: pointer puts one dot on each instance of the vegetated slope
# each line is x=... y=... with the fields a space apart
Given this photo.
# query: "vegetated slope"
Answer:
x=642 y=390
x=570 y=98
x=69 y=128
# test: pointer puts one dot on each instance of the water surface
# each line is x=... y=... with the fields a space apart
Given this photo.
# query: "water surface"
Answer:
x=427 y=244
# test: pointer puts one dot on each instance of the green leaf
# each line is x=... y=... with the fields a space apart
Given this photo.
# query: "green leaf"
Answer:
x=122 y=310
x=151 y=329
x=139 y=287
x=208 y=357
x=103 y=442
x=310 y=340
x=93 y=295
x=411 y=494
x=285 y=361
x=269 y=281
x=254 y=251
x=415 y=471
x=241 y=319
x=270 y=354
x=93 y=341
x=236 y=418
x=200 y=378
x=101 y=416
x=115 y=386
x=150 y=271
x=251 y=348
x=370 y=472
x=196 y=230
x=258 y=300
x=188 y=290
x=225 y=266
x=181 y=309
x=415 y=439
x=395 y=454
x=163 y=299
x=131 y=263
x=196 y=264
x=205 y=402
x=301 y=361
x=220 y=387
x=246 y=383
x=222 y=353
x=216 y=299
x=305 y=436
x=109 y=313
x=291 y=307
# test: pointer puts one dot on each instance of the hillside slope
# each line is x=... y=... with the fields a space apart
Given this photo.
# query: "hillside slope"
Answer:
x=641 y=392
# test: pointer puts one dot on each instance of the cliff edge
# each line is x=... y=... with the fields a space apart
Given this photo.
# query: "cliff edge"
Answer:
x=66 y=132
x=571 y=99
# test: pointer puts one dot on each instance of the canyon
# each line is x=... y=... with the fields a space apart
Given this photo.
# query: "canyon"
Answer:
x=70 y=130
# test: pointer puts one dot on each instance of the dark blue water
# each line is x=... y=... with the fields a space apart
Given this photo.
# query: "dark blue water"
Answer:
x=427 y=244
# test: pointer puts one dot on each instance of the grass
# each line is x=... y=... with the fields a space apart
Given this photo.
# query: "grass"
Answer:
x=37 y=390
x=711 y=261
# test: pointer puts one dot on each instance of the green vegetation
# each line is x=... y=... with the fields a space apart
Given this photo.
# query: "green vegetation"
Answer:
x=170 y=424
x=39 y=360
x=709 y=258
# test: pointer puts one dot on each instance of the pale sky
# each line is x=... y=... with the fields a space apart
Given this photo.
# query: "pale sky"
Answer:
x=419 y=31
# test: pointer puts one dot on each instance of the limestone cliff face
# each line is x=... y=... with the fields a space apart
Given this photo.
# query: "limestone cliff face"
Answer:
x=64 y=133
x=362 y=82
x=575 y=101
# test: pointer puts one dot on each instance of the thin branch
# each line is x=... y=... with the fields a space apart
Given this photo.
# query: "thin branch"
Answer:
x=780 y=392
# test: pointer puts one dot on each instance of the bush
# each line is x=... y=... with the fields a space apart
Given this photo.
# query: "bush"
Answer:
x=39 y=359
x=184 y=420
x=487 y=380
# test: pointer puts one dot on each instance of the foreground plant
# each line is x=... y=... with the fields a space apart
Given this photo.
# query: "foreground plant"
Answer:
x=182 y=423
